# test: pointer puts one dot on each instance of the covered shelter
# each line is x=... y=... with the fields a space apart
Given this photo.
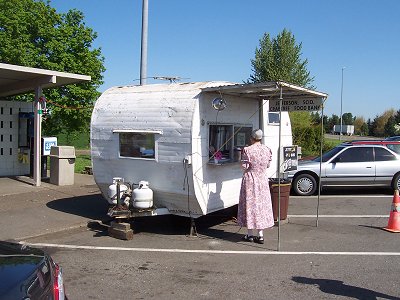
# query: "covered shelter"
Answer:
x=15 y=80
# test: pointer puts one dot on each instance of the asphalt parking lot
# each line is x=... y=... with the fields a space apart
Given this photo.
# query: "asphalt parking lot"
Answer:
x=347 y=256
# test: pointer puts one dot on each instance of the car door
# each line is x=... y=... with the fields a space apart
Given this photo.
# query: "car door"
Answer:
x=352 y=167
x=387 y=164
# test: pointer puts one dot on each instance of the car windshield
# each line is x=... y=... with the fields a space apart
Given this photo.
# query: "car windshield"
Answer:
x=328 y=155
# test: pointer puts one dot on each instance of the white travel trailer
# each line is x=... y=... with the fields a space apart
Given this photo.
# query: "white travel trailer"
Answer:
x=163 y=136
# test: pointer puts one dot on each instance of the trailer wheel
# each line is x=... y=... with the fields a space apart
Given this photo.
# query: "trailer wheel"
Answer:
x=304 y=185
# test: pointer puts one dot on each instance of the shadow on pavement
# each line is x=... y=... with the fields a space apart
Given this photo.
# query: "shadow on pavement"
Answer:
x=172 y=224
x=338 y=288
x=370 y=226
x=91 y=207
x=88 y=206
x=168 y=224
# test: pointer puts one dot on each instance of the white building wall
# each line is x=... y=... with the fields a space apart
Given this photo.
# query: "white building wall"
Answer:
x=11 y=163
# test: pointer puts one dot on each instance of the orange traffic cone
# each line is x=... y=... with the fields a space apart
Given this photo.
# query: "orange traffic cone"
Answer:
x=394 y=218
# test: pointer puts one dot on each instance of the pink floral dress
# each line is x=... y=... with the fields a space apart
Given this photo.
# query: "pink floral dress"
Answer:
x=255 y=207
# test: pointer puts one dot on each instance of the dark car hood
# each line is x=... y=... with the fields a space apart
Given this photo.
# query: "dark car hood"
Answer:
x=19 y=268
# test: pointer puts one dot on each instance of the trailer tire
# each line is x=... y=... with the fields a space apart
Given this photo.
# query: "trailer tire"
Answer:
x=304 y=185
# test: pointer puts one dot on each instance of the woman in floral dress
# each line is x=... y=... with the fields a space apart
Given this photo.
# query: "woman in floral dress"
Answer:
x=255 y=207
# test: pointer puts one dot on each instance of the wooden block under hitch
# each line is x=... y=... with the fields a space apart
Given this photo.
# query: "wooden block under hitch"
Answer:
x=120 y=231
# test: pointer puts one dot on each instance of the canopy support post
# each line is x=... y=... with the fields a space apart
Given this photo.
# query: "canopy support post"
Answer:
x=279 y=169
x=320 y=162
x=37 y=137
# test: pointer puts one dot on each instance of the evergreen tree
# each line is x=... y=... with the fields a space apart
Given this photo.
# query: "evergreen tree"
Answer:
x=389 y=128
x=379 y=123
x=397 y=123
x=364 y=129
x=332 y=121
x=347 y=119
x=360 y=126
x=279 y=58
x=371 y=127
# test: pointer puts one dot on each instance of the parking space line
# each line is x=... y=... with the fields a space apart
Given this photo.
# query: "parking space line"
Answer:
x=342 y=196
x=164 y=250
x=339 y=216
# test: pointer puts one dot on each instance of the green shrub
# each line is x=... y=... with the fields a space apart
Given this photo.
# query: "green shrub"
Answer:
x=308 y=138
x=80 y=140
x=81 y=162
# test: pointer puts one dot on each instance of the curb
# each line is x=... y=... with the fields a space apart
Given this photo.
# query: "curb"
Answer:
x=76 y=226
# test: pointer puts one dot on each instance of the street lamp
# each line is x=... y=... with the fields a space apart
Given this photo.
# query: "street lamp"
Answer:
x=143 y=52
x=341 y=107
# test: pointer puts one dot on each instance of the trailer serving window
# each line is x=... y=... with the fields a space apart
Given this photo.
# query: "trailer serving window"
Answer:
x=228 y=140
x=137 y=144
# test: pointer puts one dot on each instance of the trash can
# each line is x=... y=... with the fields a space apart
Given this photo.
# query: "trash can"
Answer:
x=285 y=193
x=237 y=154
x=62 y=165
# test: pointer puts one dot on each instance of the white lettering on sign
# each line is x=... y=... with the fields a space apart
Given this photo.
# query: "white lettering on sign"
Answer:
x=295 y=105
x=48 y=145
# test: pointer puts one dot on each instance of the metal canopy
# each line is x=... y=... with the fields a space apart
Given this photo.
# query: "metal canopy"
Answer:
x=276 y=90
x=16 y=80
x=267 y=90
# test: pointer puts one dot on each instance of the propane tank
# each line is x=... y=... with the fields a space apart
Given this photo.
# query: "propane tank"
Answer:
x=142 y=196
x=112 y=190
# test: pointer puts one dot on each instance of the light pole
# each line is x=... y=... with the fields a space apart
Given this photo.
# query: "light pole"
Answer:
x=143 y=53
x=341 y=107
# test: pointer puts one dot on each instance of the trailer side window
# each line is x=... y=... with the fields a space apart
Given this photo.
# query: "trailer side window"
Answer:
x=135 y=144
x=273 y=118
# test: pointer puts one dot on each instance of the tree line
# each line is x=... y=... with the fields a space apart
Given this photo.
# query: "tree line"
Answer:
x=384 y=125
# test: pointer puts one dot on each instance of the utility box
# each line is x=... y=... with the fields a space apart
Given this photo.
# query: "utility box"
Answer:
x=62 y=165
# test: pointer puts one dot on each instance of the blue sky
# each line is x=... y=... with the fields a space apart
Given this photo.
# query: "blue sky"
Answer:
x=216 y=40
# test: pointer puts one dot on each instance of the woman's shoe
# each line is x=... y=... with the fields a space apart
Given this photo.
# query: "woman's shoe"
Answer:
x=258 y=240
x=248 y=238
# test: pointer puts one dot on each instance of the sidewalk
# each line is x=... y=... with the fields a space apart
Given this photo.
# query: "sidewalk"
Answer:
x=27 y=210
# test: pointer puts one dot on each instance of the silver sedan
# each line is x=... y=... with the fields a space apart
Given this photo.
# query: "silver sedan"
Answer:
x=348 y=166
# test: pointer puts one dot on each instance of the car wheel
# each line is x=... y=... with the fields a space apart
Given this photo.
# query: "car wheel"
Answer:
x=396 y=182
x=304 y=185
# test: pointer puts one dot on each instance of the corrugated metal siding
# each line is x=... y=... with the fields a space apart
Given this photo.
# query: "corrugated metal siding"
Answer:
x=167 y=108
x=175 y=110
x=169 y=112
